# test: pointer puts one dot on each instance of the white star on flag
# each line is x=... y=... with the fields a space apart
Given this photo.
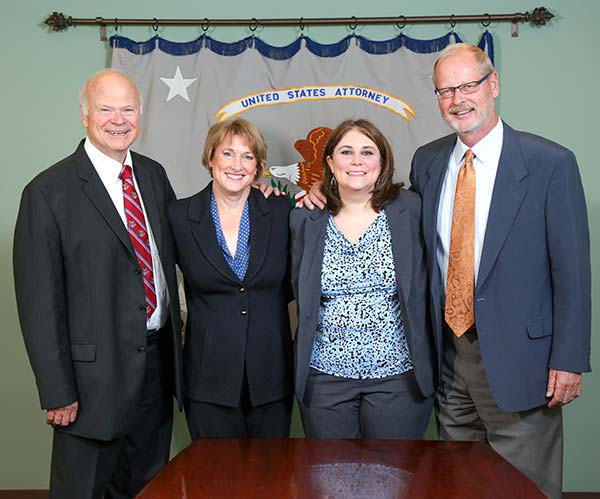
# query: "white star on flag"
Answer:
x=178 y=85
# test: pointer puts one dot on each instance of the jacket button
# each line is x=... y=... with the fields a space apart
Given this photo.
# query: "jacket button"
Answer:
x=243 y=312
x=242 y=290
x=137 y=271
x=141 y=349
x=143 y=308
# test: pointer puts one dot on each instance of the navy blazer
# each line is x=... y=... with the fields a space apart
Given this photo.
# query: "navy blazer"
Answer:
x=533 y=293
x=80 y=293
x=308 y=229
x=234 y=325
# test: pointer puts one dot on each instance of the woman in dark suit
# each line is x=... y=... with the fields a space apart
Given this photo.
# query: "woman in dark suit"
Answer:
x=364 y=350
x=232 y=247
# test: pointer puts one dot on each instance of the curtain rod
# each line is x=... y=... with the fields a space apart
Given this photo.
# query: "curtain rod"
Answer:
x=538 y=17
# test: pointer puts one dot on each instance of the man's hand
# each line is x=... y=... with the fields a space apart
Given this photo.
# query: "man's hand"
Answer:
x=563 y=387
x=62 y=416
x=267 y=190
x=314 y=198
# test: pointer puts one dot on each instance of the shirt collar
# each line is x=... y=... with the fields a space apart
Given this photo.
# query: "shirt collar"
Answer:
x=106 y=166
x=487 y=150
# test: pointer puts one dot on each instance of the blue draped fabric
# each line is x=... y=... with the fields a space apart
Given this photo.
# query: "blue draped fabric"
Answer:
x=288 y=51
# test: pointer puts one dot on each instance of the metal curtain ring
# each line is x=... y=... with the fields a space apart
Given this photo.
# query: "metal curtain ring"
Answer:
x=403 y=23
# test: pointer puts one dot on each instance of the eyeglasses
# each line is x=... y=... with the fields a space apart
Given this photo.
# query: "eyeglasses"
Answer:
x=466 y=88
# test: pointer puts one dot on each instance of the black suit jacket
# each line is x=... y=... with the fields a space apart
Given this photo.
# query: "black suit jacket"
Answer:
x=235 y=324
x=308 y=230
x=80 y=293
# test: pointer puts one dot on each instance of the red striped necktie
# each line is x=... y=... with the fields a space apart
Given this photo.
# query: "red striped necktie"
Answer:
x=138 y=233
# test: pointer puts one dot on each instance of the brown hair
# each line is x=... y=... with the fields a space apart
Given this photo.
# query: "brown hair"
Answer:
x=385 y=189
x=224 y=130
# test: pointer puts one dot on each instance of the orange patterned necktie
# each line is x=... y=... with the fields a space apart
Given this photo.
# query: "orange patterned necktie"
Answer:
x=460 y=286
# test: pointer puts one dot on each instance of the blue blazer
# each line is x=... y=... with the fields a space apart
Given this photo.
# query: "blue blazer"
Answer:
x=235 y=326
x=533 y=296
x=308 y=229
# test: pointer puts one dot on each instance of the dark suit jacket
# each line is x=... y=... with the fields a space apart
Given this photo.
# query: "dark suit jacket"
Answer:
x=80 y=293
x=233 y=325
x=532 y=299
x=308 y=245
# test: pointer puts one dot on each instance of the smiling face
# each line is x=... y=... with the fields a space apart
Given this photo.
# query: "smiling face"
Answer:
x=355 y=163
x=233 y=166
x=474 y=115
x=113 y=114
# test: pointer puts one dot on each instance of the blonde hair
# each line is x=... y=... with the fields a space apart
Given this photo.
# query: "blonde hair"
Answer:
x=483 y=60
x=224 y=130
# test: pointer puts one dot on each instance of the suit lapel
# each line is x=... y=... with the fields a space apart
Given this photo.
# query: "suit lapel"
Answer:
x=203 y=232
x=507 y=196
x=260 y=231
x=96 y=192
x=309 y=287
x=152 y=212
x=399 y=222
x=430 y=194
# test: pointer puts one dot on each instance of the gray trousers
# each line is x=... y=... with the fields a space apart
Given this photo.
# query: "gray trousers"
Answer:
x=390 y=407
x=532 y=440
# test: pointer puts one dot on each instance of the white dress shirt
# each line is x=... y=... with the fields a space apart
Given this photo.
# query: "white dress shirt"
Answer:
x=109 y=170
x=487 y=155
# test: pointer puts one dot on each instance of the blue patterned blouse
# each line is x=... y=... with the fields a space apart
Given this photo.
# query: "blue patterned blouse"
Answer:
x=239 y=264
x=360 y=334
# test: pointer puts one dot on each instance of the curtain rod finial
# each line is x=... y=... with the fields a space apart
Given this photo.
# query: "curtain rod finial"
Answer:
x=540 y=16
x=58 y=22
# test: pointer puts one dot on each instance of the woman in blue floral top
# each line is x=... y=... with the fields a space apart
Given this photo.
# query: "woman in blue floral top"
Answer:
x=364 y=349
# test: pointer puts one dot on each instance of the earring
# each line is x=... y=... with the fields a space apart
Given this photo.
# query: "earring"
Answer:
x=333 y=183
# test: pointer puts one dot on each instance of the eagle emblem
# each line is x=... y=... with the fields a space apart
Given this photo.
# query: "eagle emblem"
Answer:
x=304 y=173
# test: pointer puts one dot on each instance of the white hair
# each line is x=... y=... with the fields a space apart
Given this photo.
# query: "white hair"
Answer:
x=83 y=93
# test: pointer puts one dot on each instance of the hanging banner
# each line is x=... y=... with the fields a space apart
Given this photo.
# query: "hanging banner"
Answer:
x=294 y=94
x=323 y=92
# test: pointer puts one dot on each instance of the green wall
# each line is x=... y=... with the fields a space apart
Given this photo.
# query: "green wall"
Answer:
x=549 y=85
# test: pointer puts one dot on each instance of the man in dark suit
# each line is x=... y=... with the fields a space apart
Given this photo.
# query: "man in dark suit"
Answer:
x=513 y=326
x=97 y=297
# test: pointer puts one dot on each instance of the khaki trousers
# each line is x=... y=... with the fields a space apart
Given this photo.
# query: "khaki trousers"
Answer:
x=532 y=440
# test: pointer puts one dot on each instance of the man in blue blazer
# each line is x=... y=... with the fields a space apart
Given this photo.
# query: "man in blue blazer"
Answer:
x=527 y=341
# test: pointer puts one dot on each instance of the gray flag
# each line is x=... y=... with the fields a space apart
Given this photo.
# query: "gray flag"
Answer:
x=294 y=100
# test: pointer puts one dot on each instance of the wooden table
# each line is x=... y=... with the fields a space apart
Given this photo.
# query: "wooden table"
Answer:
x=338 y=469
